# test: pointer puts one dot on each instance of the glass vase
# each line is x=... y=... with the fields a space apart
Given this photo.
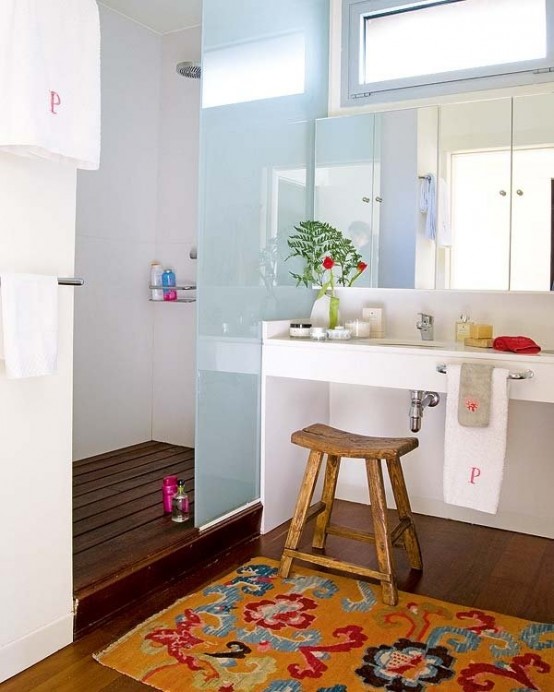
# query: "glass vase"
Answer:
x=333 y=312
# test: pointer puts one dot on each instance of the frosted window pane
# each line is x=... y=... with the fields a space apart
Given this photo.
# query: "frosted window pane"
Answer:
x=458 y=36
x=260 y=69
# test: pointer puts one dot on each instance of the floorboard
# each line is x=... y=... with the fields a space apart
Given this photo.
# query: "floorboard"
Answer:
x=465 y=564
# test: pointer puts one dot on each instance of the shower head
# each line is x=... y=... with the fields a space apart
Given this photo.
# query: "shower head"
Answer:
x=192 y=70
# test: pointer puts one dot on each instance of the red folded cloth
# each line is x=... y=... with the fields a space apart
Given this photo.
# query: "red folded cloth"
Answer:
x=517 y=344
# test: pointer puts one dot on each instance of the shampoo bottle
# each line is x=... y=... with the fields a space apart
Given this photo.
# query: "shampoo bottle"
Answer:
x=156 y=273
x=168 y=282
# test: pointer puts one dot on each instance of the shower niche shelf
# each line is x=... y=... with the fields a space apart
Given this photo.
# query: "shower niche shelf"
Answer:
x=180 y=299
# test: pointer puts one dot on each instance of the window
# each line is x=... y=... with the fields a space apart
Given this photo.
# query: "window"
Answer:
x=394 y=44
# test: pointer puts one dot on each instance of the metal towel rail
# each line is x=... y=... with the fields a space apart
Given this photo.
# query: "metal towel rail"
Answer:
x=525 y=375
x=69 y=281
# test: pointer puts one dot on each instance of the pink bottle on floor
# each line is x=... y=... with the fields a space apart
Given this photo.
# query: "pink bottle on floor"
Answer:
x=169 y=488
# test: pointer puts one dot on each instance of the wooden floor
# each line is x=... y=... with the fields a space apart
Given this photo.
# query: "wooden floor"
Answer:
x=470 y=565
x=118 y=518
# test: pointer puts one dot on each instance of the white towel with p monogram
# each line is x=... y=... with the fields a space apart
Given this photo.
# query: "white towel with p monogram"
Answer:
x=474 y=456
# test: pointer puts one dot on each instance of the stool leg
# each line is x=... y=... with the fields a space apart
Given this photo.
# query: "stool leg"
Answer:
x=302 y=505
x=383 y=545
x=411 y=542
x=328 y=497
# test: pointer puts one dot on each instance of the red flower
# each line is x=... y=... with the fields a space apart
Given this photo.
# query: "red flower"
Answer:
x=328 y=263
x=361 y=266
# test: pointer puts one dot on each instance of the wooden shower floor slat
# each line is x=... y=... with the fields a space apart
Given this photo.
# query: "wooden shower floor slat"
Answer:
x=118 y=519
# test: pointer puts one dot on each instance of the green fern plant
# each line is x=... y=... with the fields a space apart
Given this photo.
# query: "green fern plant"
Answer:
x=324 y=248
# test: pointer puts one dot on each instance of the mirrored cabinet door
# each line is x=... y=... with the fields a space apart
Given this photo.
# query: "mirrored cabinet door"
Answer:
x=474 y=195
x=532 y=193
x=344 y=185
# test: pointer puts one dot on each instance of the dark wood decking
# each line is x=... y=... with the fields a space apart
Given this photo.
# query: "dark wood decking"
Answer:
x=125 y=547
x=118 y=518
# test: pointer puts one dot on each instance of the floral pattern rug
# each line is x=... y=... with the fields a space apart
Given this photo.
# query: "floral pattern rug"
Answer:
x=253 y=630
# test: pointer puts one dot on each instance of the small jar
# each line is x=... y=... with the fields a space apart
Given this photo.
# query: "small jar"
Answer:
x=318 y=334
x=339 y=333
x=359 y=328
x=300 y=330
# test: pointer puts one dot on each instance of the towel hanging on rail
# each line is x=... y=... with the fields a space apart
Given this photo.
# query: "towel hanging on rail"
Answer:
x=428 y=205
x=50 y=80
x=474 y=456
x=29 y=324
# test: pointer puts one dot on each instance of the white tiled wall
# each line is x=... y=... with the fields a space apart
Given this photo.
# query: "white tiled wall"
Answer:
x=174 y=324
x=134 y=360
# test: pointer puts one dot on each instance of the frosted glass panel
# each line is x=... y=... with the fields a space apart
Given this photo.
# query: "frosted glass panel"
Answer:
x=256 y=170
x=458 y=36
x=261 y=69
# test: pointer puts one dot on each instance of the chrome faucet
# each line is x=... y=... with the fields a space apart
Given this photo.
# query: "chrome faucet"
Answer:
x=425 y=326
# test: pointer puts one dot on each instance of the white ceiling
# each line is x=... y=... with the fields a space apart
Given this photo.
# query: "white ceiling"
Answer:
x=160 y=15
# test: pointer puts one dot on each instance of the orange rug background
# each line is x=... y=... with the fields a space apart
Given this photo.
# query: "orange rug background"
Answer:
x=252 y=630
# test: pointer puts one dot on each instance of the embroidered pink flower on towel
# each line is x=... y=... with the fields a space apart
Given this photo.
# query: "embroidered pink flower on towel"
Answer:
x=472 y=405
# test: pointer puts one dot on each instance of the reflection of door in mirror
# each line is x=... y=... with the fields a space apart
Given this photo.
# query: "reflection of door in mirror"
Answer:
x=288 y=207
x=474 y=179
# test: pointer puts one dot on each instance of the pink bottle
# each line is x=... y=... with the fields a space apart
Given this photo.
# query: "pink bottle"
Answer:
x=169 y=488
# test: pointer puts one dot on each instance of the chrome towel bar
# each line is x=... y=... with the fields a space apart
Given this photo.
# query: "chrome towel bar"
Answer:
x=70 y=281
x=525 y=375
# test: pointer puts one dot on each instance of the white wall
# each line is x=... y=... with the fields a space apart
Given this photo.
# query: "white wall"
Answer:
x=174 y=324
x=37 y=199
x=134 y=359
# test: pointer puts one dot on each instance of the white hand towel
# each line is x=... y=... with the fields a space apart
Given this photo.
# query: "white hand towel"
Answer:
x=30 y=324
x=428 y=205
x=474 y=457
x=50 y=80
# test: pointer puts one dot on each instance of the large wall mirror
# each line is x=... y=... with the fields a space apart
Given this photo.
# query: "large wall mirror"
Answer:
x=456 y=196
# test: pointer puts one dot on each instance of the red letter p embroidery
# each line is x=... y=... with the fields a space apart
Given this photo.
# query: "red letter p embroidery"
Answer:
x=55 y=100
x=475 y=473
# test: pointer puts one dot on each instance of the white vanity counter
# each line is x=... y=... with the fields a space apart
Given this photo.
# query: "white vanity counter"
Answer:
x=305 y=381
x=395 y=363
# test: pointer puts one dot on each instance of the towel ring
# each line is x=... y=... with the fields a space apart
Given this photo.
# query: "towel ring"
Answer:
x=525 y=375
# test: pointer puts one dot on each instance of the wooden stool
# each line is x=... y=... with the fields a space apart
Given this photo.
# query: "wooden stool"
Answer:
x=322 y=439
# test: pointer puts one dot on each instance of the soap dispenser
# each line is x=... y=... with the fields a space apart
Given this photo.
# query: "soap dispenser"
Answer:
x=463 y=327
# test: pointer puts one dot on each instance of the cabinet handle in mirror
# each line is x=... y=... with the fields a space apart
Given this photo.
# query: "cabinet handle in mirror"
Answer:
x=519 y=192
x=378 y=199
x=503 y=193
x=367 y=200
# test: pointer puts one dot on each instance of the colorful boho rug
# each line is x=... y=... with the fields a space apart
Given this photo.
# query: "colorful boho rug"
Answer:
x=255 y=631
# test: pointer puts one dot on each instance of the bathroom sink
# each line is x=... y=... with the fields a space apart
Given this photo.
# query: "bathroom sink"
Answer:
x=417 y=343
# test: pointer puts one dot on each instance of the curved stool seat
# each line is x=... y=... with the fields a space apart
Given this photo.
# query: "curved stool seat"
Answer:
x=324 y=440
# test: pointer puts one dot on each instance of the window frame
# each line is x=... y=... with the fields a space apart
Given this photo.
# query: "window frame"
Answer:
x=356 y=93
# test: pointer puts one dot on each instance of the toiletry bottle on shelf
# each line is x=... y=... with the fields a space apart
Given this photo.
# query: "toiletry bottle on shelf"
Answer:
x=156 y=273
x=180 y=503
x=168 y=282
x=463 y=326
x=169 y=488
